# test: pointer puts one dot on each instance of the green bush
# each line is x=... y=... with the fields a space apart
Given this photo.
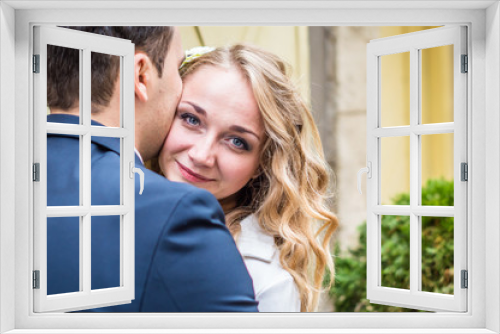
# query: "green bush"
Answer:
x=349 y=290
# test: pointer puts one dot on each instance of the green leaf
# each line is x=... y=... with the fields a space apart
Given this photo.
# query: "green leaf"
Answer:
x=349 y=290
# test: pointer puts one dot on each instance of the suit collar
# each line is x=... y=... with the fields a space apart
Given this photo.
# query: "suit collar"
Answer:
x=112 y=144
x=68 y=119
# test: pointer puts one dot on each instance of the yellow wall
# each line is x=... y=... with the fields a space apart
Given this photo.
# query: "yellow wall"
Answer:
x=290 y=43
x=436 y=106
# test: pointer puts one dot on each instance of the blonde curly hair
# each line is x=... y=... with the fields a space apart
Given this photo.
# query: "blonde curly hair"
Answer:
x=289 y=196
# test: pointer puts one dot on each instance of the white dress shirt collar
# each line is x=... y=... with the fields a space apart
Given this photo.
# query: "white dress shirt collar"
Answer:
x=253 y=235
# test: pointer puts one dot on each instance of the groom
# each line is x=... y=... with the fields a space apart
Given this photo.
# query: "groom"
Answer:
x=185 y=258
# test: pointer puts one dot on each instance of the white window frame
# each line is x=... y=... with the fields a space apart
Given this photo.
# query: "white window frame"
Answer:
x=16 y=21
x=414 y=43
x=85 y=43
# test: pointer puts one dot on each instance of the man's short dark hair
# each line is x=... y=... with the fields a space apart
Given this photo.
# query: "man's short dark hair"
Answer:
x=63 y=65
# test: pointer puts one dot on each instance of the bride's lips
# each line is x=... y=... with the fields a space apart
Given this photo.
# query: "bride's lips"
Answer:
x=191 y=176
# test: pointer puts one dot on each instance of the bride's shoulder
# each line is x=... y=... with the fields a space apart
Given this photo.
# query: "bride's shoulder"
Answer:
x=257 y=246
x=254 y=242
x=274 y=287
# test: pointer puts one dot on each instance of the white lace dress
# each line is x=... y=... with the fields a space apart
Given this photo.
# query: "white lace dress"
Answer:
x=274 y=287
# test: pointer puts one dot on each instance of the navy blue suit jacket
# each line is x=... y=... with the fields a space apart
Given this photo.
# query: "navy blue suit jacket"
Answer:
x=185 y=257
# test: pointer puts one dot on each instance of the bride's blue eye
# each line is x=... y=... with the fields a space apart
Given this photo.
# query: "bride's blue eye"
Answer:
x=240 y=144
x=190 y=119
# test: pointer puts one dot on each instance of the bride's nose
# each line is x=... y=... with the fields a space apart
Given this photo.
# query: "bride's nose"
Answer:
x=202 y=153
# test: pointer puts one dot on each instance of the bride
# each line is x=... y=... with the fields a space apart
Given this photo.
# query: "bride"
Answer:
x=243 y=132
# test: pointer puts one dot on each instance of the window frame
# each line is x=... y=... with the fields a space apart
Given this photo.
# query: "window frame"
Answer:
x=86 y=297
x=414 y=43
x=16 y=21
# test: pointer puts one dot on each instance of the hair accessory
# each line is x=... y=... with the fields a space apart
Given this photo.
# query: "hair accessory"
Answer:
x=196 y=52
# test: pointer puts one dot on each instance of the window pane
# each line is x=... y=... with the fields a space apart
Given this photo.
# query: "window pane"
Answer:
x=106 y=66
x=63 y=106
x=437 y=169
x=437 y=84
x=106 y=170
x=395 y=251
x=105 y=251
x=395 y=170
x=395 y=89
x=62 y=65
x=63 y=170
x=63 y=255
x=437 y=254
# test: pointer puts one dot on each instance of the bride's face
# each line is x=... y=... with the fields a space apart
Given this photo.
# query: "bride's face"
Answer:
x=217 y=133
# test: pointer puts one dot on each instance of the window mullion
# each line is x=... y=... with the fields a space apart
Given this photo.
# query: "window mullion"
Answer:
x=434 y=129
x=86 y=166
x=406 y=210
x=420 y=129
x=415 y=262
x=80 y=130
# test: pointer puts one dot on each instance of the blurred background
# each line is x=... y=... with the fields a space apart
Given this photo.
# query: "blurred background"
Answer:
x=329 y=66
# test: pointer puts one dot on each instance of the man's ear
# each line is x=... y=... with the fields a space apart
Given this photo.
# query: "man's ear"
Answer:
x=143 y=74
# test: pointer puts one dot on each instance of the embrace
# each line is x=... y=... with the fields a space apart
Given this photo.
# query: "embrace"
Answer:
x=233 y=217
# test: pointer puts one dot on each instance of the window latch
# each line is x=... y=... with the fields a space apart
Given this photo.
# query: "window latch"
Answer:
x=138 y=171
x=368 y=171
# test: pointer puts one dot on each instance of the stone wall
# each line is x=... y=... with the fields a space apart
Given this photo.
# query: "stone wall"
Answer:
x=338 y=91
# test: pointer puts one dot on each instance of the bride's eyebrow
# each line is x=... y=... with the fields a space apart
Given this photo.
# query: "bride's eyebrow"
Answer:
x=236 y=128
x=241 y=129
x=197 y=108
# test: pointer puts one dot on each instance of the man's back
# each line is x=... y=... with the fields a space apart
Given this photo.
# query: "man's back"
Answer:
x=185 y=258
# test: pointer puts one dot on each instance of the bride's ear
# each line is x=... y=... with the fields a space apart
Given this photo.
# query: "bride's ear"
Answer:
x=143 y=71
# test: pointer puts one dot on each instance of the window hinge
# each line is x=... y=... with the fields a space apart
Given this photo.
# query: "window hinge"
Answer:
x=36 y=172
x=465 y=279
x=465 y=64
x=36 y=63
x=36 y=279
x=464 y=171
